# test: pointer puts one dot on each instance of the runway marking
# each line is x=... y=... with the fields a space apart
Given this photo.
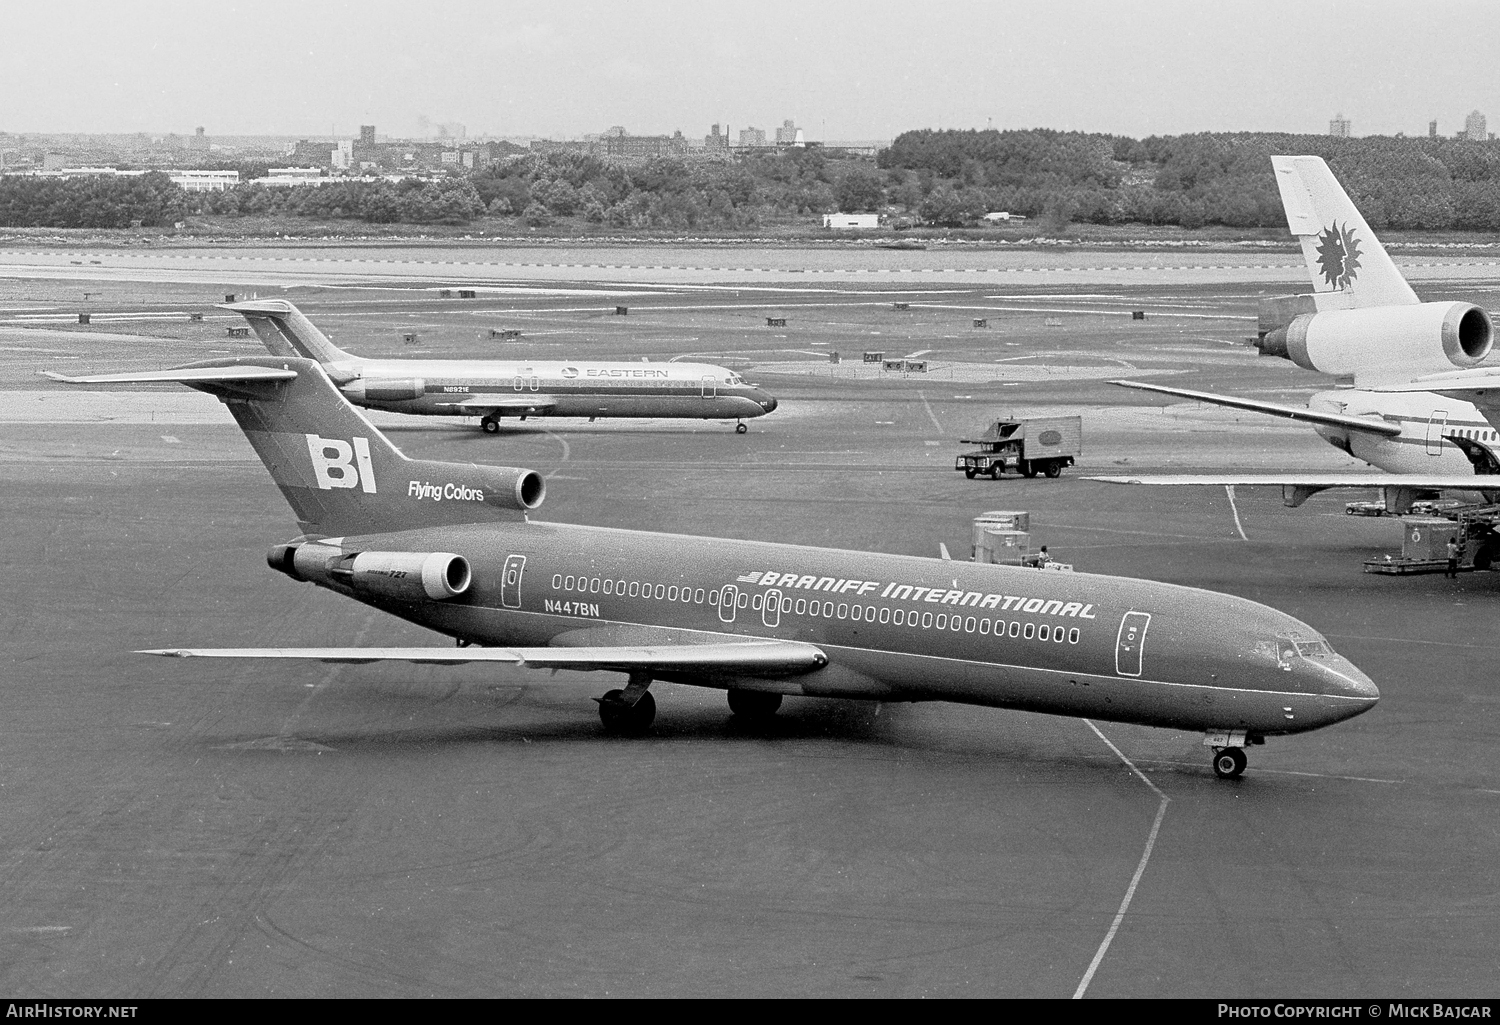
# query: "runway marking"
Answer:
x=1290 y=772
x=930 y=415
x=1140 y=869
x=1229 y=490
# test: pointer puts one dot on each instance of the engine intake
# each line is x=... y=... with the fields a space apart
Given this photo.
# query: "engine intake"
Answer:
x=1386 y=342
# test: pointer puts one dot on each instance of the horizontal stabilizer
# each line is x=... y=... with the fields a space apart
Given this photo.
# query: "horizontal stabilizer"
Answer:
x=1299 y=413
x=753 y=658
x=182 y=375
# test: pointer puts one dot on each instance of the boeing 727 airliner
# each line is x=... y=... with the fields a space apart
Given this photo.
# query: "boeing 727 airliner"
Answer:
x=449 y=546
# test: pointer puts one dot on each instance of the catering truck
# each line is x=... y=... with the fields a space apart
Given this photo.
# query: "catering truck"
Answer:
x=1028 y=445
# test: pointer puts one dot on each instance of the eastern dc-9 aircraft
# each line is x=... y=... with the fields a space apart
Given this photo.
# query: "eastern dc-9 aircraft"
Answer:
x=1363 y=320
x=492 y=389
x=449 y=546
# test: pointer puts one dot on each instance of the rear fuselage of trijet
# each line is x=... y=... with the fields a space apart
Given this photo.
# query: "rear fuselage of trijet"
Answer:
x=895 y=628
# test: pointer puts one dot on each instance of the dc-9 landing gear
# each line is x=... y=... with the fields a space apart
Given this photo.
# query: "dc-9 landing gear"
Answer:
x=740 y=428
x=1229 y=762
x=628 y=712
x=490 y=424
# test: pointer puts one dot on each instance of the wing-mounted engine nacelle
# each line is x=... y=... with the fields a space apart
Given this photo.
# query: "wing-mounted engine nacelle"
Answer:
x=365 y=389
x=411 y=576
x=1412 y=340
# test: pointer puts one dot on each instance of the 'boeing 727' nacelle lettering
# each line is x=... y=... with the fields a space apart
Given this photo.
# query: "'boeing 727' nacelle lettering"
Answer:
x=338 y=469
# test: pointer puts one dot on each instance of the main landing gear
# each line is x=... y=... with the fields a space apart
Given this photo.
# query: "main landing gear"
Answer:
x=754 y=705
x=1229 y=752
x=490 y=424
x=628 y=712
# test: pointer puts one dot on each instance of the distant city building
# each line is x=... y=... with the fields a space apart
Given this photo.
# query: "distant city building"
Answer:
x=199 y=142
x=751 y=138
x=1432 y=129
x=366 y=136
x=713 y=142
x=190 y=181
x=343 y=154
x=318 y=154
x=642 y=147
x=1340 y=127
x=1003 y=217
x=286 y=177
x=1474 y=127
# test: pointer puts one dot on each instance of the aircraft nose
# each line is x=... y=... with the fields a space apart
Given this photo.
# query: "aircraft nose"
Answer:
x=1343 y=690
x=768 y=403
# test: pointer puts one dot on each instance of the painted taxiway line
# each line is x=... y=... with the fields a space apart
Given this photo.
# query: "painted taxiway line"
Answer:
x=1140 y=868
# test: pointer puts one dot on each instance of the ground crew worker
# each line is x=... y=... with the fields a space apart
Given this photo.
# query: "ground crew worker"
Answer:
x=1043 y=558
x=1453 y=552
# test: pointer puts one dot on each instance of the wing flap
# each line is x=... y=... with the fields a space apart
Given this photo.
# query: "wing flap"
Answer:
x=181 y=375
x=753 y=658
x=1299 y=413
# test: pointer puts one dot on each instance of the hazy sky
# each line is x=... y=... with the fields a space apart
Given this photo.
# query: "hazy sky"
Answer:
x=841 y=70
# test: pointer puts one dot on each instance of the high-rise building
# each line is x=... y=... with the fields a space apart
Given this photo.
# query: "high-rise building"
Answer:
x=1474 y=127
x=752 y=137
x=366 y=136
x=1339 y=127
x=786 y=135
x=1432 y=129
x=713 y=142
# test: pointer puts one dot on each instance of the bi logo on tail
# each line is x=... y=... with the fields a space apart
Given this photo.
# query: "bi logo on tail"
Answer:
x=338 y=464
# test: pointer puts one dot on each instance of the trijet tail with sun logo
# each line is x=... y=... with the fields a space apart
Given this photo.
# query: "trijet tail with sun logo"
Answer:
x=1412 y=411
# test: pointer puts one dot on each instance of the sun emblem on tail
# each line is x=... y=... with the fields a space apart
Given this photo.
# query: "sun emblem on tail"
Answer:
x=1338 y=255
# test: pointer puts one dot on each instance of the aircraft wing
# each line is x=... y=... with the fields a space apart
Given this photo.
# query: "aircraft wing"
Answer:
x=748 y=657
x=1400 y=488
x=480 y=403
x=1300 y=413
x=1419 y=482
x=182 y=375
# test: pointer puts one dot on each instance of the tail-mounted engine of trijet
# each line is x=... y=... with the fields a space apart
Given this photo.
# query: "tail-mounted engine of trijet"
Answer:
x=1385 y=341
x=409 y=576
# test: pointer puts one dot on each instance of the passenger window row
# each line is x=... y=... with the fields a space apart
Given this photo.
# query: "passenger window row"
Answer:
x=824 y=610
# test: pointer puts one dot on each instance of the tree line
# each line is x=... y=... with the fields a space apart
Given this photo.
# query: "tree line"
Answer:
x=947 y=178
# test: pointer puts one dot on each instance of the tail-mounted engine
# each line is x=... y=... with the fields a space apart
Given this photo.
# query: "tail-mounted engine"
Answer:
x=363 y=389
x=408 y=576
x=1385 y=341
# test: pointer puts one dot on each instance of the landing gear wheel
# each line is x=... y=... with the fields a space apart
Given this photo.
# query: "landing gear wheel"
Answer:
x=626 y=720
x=490 y=426
x=740 y=428
x=1027 y=468
x=753 y=704
x=1229 y=762
x=1053 y=470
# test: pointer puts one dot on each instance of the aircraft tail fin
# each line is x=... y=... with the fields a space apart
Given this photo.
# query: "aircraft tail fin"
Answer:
x=340 y=475
x=1348 y=265
x=285 y=331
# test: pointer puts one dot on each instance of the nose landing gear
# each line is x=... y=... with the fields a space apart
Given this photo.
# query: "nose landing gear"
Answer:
x=1229 y=752
x=1229 y=762
x=740 y=428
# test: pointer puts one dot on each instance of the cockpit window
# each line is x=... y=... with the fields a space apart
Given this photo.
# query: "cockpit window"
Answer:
x=1307 y=649
x=734 y=379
